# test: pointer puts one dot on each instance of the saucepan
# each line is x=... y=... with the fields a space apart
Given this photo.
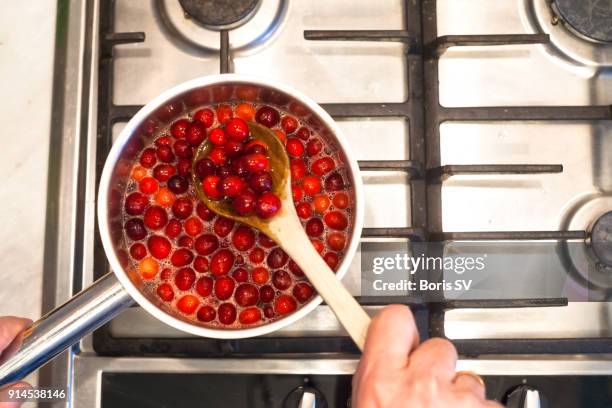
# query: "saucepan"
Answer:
x=118 y=289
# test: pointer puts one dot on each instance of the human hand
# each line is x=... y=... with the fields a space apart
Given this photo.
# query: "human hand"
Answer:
x=10 y=327
x=395 y=371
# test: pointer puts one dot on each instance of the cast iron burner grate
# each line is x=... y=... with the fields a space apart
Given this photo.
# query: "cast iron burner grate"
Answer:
x=220 y=14
x=590 y=18
x=424 y=114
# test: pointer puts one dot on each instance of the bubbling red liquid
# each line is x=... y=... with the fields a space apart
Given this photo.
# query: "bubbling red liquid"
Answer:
x=213 y=271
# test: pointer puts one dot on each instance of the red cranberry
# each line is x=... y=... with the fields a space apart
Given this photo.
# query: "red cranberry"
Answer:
x=231 y=186
x=204 y=212
x=331 y=259
x=223 y=226
x=256 y=163
x=184 y=278
x=163 y=172
x=204 y=286
x=205 y=116
x=265 y=241
x=285 y=304
x=155 y=217
x=182 y=149
x=182 y=208
x=210 y=186
x=193 y=226
x=233 y=148
x=240 y=275
x=148 y=185
x=318 y=245
x=256 y=255
x=148 y=158
x=177 y=184
x=138 y=251
x=302 y=291
x=314 y=147
x=223 y=171
x=165 y=154
x=224 y=113
x=181 y=257
x=289 y=124
x=135 y=229
x=206 y=313
x=163 y=141
x=244 y=203
x=165 y=292
x=185 y=242
x=267 y=205
x=260 y=275
x=304 y=210
x=243 y=238
x=204 y=167
x=201 y=264
x=227 y=313
x=311 y=185
x=221 y=262
x=277 y=258
x=249 y=316
x=188 y=304
x=298 y=170
x=159 y=246
x=297 y=193
x=260 y=182
x=246 y=295
x=268 y=311
x=336 y=220
x=196 y=133
x=323 y=166
x=295 y=148
x=165 y=274
x=314 y=227
x=239 y=167
x=334 y=182
x=295 y=269
x=267 y=116
x=224 y=287
x=206 y=244
x=183 y=167
x=266 y=293
x=237 y=129
x=179 y=128
x=256 y=148
x=217 y=137
x=218 y=156
x=281 y=280
x=303 y=133
x=173 y=228
x=135 y=203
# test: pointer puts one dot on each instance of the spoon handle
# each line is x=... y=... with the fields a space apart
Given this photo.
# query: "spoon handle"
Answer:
x=297 y=245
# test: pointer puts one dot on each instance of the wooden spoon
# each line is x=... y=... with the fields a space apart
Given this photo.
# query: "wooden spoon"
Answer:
x=286 y=230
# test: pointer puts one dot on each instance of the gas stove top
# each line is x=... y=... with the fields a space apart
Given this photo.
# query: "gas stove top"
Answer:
x=472 y=121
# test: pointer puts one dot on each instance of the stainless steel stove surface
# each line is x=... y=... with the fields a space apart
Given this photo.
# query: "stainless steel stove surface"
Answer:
x=509 y=96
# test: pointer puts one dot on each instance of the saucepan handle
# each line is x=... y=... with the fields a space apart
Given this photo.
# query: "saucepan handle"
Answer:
x=63 y=327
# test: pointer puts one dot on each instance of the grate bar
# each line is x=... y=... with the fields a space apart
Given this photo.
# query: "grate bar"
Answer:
x=441 y=44
x=122 y=113
x=508 y=235
x=503 y=303
x=111 y=39
x=348 y=110
x=360 y=35
x=415 y=169
x=475 y=347
x=414 y=234
x=444 y=172
x=510 y=113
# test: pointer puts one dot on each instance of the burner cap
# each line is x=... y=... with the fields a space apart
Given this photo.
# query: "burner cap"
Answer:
x=601 y=238
x=590 y=18
x=220 y=14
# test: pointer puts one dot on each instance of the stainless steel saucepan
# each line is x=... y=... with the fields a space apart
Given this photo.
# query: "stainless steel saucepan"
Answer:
x=118 y=289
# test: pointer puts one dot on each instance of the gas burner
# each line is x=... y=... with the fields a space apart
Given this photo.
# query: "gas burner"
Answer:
x=220 y=14
x=601 y=238
x=580 y=30
x=194 y=25
x=591 y=19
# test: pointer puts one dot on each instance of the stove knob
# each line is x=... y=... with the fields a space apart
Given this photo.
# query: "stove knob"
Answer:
x=309 y=400
x=305 y=397
x=525 y=396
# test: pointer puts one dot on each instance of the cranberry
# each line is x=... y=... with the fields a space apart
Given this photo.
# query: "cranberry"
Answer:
x=185 y=242
x=265 y=241
x=318 y=245
x=323 y=166
x=302 y=291
x=138 y=251
x=303 y=133
x=281 y=280
x=298 y=170
x=164 y=197
x=321 y=203
x=204 y=212
x=135 y=203
x=182 y=149
x=277 y=258
x=223 y=171
x=204 y=167
x=206 y=313
x=179 y=128
x=177 y=184
x=249 y=316
x=165 y=274
x=256 y=255
x=303 y=210
x=148 y=185
x=165 y=292
x=217 y=137
x=210 y=186
x=165 y=154
x=218 y=156
x=205 y=116
x=244 y=203
x=255 y=146
x=163 y=172
x=183 y=167
x=311 y=185
x=336 y=241
x=246 y=295
x=206 y=244
x=181 y=257
x=267 y=116
x=340 y=200
x=295 y=148
x=135 y=229
x=237 y=129
x=224 y=113
x=184 y=278
x=188 y=304
x=148 y=158
x=334 y=182
x=267 y=205
x=285 y=304
x=163 y=141
x=224 y=287
x=289 y=124
x=233 y=148
x=336 y=220
x=173 y=228
x=227 y=313
x=314 y=227
x=239 y=167
x=266 y=293
x=204 y=286
x=331 y=259
x=260 y=275
x=221 y=262
x=314 y=147
x=260 y=182
x=155 y=217
x=201 y=264
x=159 y=246
x=256 y=162
x=196 y=133
x=297 y=193
x=193 y=226
x=295 y=269
x=268 y=311
x=223 y=226
x=243 y=238
x=240 y=275
x=231 y=186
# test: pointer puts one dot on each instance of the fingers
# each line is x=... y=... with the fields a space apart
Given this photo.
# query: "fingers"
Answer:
x=391 y=336
x=10 y=327
x=4 y=394
x=436 y=357
x=469 y=383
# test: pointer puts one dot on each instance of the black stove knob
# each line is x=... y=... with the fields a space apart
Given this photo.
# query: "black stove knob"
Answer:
x=305 y=397
x=525 y=396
